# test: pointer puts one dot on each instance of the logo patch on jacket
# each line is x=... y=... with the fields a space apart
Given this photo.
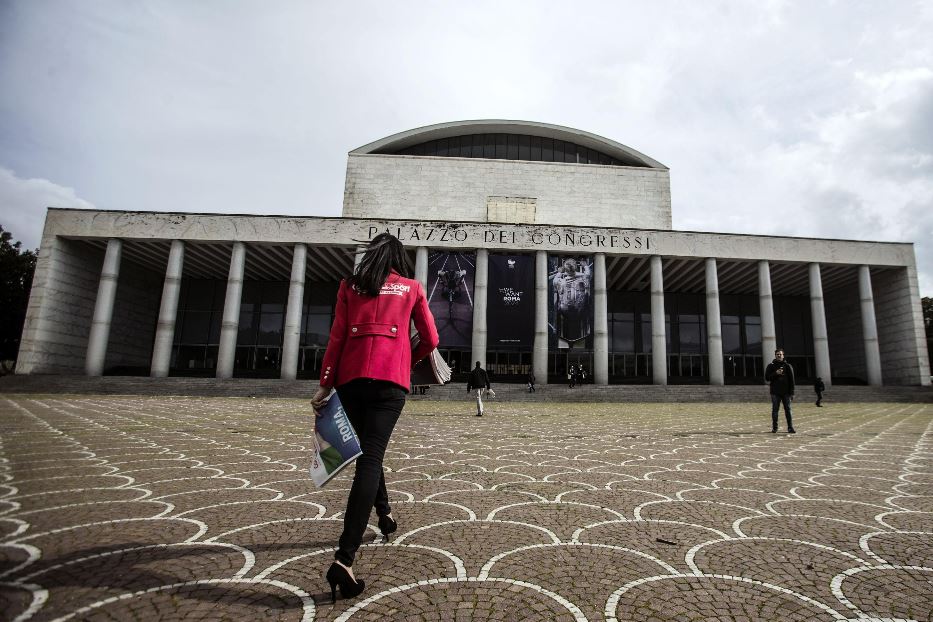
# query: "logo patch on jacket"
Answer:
x=395 y=289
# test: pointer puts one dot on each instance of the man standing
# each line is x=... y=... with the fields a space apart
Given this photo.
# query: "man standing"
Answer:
x=819 y=386
x=479 y=382
x=780 y=375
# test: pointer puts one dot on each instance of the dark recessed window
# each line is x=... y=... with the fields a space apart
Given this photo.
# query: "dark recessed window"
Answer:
x=512 y=147
x=535 y=149
x=512 y=153
x=524 y=147
x=547 y=149
x=570 y=152
x=489 y=146
x=558 y=150
x=500 y=146
x=477 y=145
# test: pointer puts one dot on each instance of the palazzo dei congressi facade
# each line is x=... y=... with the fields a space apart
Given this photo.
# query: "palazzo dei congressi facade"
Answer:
x=540 y=247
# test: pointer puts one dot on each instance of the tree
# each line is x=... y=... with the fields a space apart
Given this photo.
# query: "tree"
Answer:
x=16 y=270
x=927 y=305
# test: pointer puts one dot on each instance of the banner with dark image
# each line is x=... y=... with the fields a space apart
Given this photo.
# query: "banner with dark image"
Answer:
x=450 y=296
x=570 y=301
x=510 y=314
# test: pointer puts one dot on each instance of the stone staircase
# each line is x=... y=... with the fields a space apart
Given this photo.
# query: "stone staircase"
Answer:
x=259 y=387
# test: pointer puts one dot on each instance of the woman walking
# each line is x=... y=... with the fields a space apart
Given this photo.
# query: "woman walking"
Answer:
x=368 y=360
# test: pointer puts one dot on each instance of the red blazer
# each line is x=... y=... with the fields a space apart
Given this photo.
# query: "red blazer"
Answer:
x=370 y=334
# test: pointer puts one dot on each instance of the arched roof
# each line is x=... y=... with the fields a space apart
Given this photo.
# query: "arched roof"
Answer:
x=397 y=142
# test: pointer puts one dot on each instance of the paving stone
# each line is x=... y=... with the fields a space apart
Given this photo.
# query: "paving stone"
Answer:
x=188 y=508
x=905 y=549
x=904 y=593
x=711 y=598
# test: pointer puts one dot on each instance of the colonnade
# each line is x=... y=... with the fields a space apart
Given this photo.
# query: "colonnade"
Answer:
x=165 y=329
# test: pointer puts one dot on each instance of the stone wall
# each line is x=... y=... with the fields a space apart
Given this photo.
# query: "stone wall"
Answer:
x=61 y=307
x=903 y=354
x=844 y=325
x=457 y=189
x=135 y=314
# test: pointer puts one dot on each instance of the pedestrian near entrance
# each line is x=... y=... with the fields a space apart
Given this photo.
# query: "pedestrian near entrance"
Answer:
x=572 y=376
x=819 y=386
x=531 y=382
x=478 y=382
x=780 y=376
x=369 y=359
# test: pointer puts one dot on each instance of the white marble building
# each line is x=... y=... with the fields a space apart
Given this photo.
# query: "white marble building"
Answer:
x=123 y=292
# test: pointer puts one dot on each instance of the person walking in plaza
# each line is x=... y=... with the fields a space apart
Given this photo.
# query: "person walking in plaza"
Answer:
x=819 y=386
x=369 y=359
x=780 y=376
x=572 y=376
x=479 y=382
x=531 y=382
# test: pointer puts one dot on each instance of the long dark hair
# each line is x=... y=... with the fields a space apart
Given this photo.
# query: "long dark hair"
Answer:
x=384 y=253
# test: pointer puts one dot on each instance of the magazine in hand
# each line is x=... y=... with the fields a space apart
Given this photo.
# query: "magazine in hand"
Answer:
x=432 y=369
x=335 y=442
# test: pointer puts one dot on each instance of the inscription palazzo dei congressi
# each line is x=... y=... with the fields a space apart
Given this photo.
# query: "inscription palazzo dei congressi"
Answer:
x=511 y=237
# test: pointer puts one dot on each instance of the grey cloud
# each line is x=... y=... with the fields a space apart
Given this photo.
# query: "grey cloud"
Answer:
x=24 y=203
x=767 y=113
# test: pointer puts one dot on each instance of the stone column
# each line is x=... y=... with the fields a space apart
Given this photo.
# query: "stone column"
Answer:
x=766 y=311
x=818 y=316
x=658 y=331
x=540 y=352
x=869 y=327
x=713 y=324
x=600 y=321
x=296 y=294
x=421 y=266
x=480 y=286
x=103 y=309
x=168 y=311
x=230 y=326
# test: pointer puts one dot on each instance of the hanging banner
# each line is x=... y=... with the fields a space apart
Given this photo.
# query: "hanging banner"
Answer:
x=570 y=301
x=511 y=306
x=450 y=296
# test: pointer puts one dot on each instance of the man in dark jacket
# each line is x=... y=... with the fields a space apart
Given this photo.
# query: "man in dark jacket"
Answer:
x=819 y=386
x=479 y=382
x=780 y=375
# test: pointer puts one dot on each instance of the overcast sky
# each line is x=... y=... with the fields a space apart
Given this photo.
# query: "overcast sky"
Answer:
x=792 y=118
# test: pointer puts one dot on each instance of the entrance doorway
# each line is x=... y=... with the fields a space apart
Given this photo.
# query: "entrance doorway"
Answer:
x=560 y=361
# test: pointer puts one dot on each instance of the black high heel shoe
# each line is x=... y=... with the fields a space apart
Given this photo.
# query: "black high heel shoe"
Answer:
x=338 y=575
x=387 y=526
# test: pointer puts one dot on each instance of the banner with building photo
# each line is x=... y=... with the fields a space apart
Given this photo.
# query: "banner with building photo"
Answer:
x=450 y=296
x=570 y=301
x=510 y=314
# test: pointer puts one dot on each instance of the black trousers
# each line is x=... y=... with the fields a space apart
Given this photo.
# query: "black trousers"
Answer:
x=373 y=407
x=776 y=402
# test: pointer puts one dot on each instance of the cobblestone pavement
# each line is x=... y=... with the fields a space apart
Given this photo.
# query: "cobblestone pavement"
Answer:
x=134 y=508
